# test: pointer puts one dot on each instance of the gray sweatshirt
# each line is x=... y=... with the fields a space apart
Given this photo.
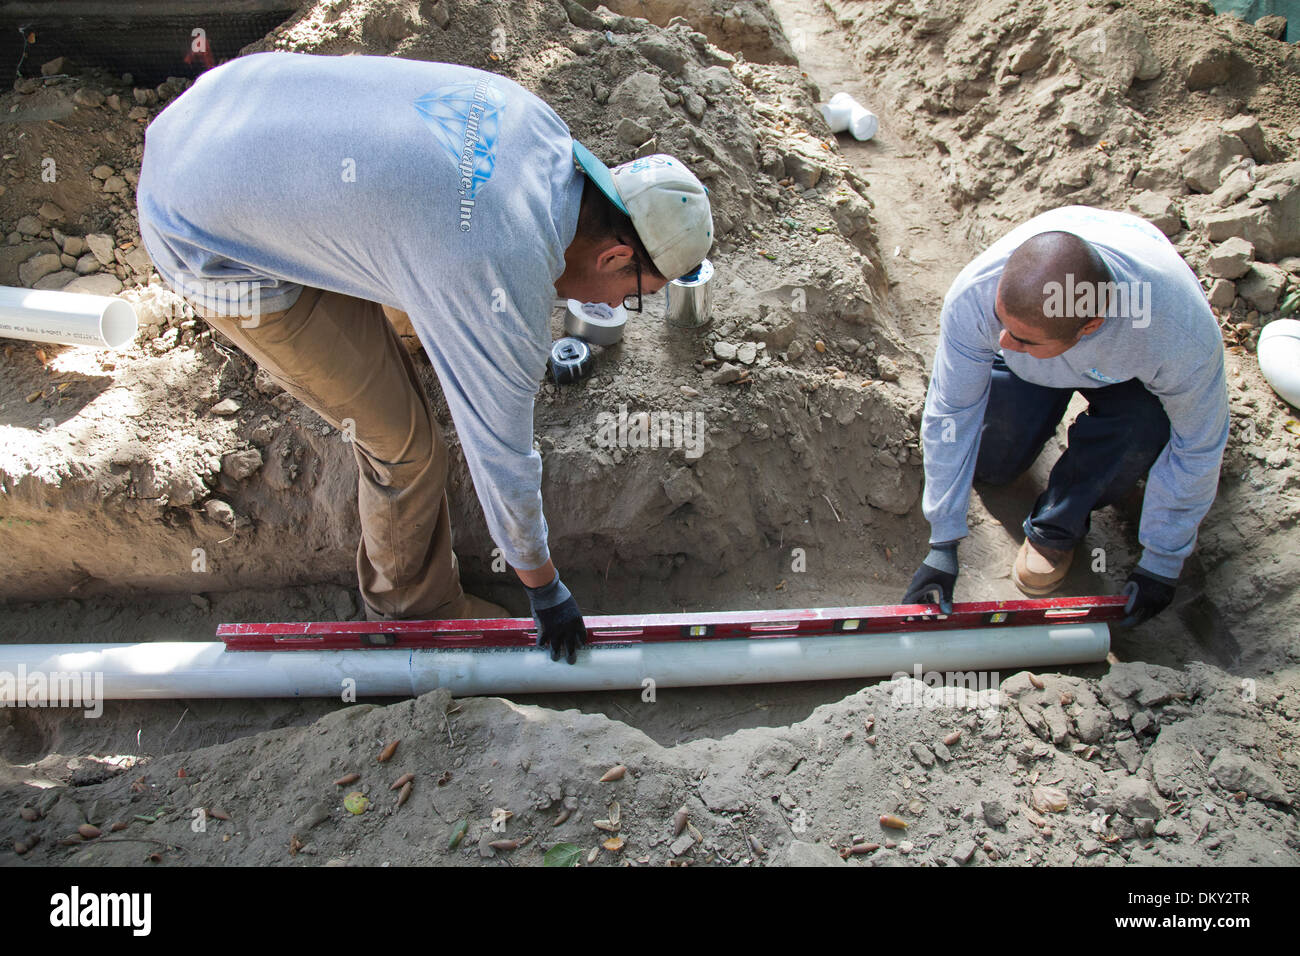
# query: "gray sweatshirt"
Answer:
x=445 y=191
x=1167 y=339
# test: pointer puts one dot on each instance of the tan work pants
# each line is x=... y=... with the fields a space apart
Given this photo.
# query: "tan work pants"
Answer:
x=341 y=357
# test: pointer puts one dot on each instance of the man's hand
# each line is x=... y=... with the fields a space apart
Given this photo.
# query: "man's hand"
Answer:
x=935 y=578
x=558 y=620
x=1148 y=594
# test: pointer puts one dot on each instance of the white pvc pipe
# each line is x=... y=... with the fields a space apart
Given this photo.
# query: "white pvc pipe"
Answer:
x=842 y=112
x=199 y=670
x=1279 y=358
x=66 y=318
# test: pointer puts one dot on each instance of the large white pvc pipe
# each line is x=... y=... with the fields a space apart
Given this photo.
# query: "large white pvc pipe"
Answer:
x=66 y=318
x=198 y=670
x=1279 y=358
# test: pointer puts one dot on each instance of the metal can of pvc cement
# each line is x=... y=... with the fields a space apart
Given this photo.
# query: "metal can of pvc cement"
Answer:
x=690 y=298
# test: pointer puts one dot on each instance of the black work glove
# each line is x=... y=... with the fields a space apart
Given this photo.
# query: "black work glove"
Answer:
x=558 y=620
x=1148 y=594
x=935 y=578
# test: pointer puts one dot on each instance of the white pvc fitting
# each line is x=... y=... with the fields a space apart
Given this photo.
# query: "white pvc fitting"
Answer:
x=842 y=112
x=201 y=670
x=66 y=318
x=1279 y=358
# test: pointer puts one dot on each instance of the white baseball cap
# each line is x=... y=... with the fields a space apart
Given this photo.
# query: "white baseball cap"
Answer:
x=668 y=206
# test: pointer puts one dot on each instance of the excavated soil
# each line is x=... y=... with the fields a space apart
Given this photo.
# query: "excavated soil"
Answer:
x=132 y=511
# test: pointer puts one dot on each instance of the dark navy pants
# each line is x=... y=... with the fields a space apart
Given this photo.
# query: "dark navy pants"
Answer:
x=1110 y=446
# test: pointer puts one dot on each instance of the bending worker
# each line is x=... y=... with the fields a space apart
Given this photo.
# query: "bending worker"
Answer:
x=1097 y=302
x=294 y=199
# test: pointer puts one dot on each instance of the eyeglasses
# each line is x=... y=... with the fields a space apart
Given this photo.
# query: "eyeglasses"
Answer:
x=634 y=298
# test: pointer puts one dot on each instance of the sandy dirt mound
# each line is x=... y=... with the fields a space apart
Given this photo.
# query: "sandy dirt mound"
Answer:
x=1148 y=765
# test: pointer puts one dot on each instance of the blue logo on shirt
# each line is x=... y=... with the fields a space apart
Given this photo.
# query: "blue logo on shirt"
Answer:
x=466 y=119
x=1100 y=377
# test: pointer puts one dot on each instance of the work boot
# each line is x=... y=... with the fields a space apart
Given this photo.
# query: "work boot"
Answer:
x=1040 y=571
x=469 y=608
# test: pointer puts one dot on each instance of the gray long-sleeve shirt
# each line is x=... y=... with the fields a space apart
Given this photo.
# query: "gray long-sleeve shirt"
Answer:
x=442 y=190
x=1172 y=345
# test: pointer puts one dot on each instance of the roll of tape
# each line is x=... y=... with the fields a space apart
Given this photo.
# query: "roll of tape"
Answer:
x=595 y=322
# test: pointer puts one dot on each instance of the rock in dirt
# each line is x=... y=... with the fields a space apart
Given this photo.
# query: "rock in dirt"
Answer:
x=1208 y=67
x=994 y=813
x=1212 y=153
x=1236 y=772
x=37 y=267
x=226 y=407
x=101 y=283
x=240 y=465
x=963 y=852
x=799 y=853
x=1117 y=52
x=102 y=246
x=1231 y=258
x=1262 y=286
x=1222 y=294
x=1159 y=210
x=1135 y=797
x=1248 y=130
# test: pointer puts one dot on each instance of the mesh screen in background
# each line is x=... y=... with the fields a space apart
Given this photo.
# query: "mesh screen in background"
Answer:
x=150 y=39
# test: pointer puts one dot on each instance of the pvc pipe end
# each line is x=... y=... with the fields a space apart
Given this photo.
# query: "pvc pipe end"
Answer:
x=118 y=324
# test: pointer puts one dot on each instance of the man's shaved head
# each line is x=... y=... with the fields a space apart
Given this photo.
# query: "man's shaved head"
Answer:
x=1043 y=263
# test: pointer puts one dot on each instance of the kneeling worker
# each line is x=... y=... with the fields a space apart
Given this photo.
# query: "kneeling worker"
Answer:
x=1076 y=299
x=294 y=198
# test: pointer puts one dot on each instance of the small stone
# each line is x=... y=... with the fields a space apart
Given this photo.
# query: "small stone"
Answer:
x=74 y=245
x=1222 y=294
x=87 y=264
x=219 y=511
x=1135 y=797
x=1231 y=258
x=1164 y=828
x=995 y=815
x=98 y=284
x=1141 y=722
x=54 y=67
x=924 y=756
x=226 y=407
x=37 y=267
x=55 y=280
x=102 y=172
x=747 y=353
x=1262 y=286
x=725 y=351
x=964 y=851
x=240 y=465
x=89 y=97
x=1235 y=772
x=727 y=373
x=50 y=212
x=682 y=843
x=102 y=246
x=29 y=226
x=114 y=184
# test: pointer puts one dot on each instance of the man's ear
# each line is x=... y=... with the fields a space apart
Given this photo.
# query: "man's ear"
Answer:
x=1092 y=325
x=615 y=257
